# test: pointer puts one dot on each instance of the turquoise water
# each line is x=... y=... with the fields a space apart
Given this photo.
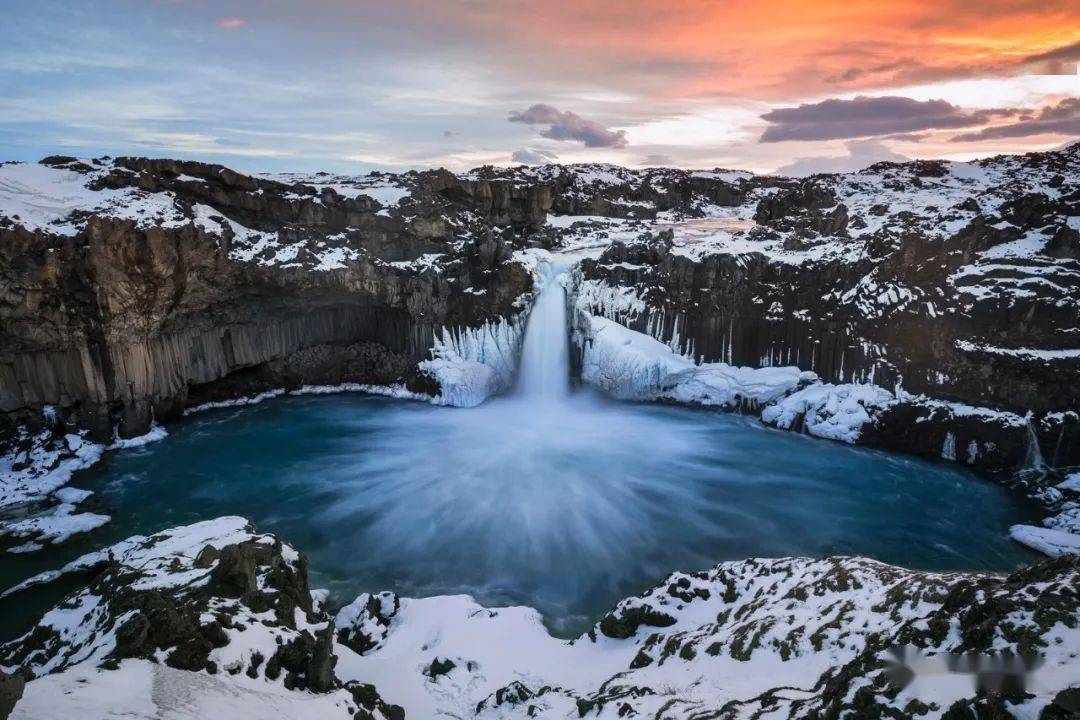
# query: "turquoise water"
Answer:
x=566 y=507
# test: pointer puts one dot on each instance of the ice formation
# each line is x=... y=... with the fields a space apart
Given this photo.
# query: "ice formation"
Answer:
x=472 y=364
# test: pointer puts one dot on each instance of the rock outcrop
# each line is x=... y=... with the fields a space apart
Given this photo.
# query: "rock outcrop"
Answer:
x=214 y=617
x=214 y=598
x=952 y=281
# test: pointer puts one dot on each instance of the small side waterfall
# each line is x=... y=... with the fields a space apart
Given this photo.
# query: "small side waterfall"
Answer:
x=545 y=358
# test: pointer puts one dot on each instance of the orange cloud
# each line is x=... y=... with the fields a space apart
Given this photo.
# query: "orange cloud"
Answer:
x=231 y=23
x=780 y=49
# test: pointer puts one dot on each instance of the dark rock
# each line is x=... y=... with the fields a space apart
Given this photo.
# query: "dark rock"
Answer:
x=624 y=622
x=319 y=671
x=235 y=573
x=1065 y=706
x=1065 y=244
x=11 y=689
x=971 y=205
x=439 y=667
x=191 y=654
x=132 y=635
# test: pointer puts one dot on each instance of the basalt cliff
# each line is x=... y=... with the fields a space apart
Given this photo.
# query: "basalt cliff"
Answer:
x=133 y=288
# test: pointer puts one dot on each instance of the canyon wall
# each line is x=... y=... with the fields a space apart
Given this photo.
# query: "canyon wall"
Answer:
x=129 y=320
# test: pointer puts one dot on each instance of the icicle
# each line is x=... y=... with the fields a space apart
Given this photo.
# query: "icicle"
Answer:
x=972 y=452
x=948 y=448
x=1034 y=464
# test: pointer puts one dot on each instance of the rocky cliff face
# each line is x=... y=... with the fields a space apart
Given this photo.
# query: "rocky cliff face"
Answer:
x=955 y=281
x=133 y=287
x=137 y=296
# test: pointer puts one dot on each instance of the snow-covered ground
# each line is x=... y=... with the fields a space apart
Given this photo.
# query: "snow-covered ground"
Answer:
x=693 y=644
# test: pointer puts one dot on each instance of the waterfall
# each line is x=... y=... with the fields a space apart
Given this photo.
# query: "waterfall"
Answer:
x=545 y=357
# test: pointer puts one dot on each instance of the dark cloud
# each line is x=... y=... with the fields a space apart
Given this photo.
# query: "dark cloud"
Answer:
x=1060 y=119
x=532 y=156
x=867 y=117
x=569 y=126
x=906 y=137
x=861 y=153
x=1064 y=60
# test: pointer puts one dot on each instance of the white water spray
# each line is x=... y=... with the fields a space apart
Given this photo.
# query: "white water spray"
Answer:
x=545 y=357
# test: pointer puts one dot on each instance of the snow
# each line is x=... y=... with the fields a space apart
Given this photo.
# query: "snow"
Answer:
x=43 y=467
x=335 y=258
x=565 y=221
x=1071 y=482
x=42 y=197
x=381 y=187
x=1050 y=541
x=1021 y=353
x=54 y=525
x=394 y=391
x=143 y=690
x=427 y=261
x=155 y=555
x=729 y=176
x=155 y=434
x=72 y=495
x=503 y=645
x=836 y=412
x=386 y=195
x=235 y=402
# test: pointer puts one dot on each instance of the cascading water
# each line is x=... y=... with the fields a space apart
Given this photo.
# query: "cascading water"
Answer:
x=544 y=375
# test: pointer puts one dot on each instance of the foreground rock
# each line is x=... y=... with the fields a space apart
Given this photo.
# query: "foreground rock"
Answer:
x=213 y=619
x=211 y=616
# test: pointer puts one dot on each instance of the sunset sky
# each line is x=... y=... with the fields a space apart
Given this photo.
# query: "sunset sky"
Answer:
x=352 y=85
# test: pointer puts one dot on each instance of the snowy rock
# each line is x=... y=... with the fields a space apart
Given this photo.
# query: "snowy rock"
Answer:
x=788 y=633
x=1049 y=541
x=836 y=412
x=215 y=611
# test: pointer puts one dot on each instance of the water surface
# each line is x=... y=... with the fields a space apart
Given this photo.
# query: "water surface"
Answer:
x=565 y=505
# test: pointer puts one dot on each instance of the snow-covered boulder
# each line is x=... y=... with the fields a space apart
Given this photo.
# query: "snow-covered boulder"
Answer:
x=836 y=412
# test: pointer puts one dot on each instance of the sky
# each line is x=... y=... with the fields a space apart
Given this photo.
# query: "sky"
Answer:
x=355 y=85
